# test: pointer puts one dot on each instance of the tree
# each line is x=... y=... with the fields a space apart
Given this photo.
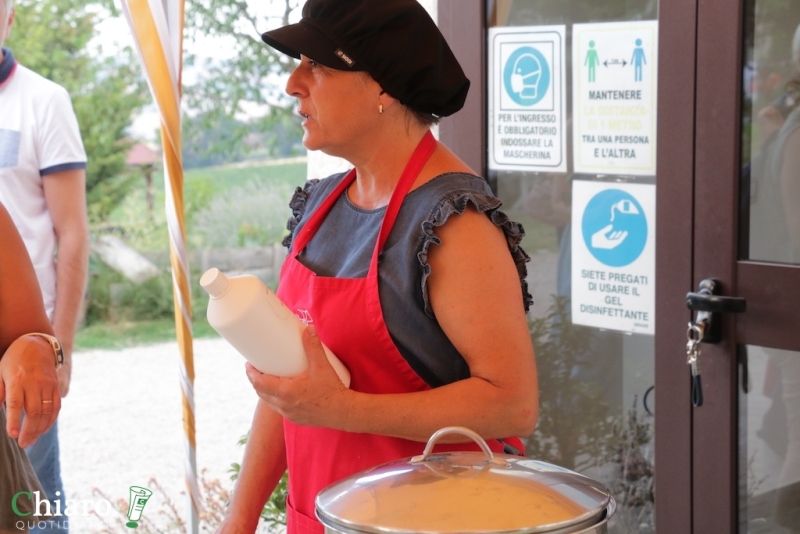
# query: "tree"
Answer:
x=202 y=137
x=52 y=37
x=249 y=83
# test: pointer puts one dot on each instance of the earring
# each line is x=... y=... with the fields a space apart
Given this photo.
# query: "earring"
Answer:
x=380 y=108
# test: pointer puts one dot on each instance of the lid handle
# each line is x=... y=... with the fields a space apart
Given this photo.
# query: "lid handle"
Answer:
x=464 y=432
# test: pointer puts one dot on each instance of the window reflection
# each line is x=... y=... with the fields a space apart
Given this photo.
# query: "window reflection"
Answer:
x=771 y=132
x=595 y=385
x=769 y=423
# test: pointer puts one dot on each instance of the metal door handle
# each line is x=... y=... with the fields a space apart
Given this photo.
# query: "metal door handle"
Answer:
x=708 y=303
x=705 y=300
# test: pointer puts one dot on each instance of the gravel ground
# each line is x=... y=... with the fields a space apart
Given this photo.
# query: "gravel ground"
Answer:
x=121 y=426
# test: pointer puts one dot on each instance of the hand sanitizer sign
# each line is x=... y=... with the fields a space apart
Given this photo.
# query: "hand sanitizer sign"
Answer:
x=613 y=256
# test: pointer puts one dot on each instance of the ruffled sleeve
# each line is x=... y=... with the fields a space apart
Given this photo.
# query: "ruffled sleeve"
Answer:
x=457 y=203
x=298 y=205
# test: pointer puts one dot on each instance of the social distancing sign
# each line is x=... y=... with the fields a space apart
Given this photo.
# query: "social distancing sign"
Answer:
x=614 y=67
x=613 y=256
x=527 y=129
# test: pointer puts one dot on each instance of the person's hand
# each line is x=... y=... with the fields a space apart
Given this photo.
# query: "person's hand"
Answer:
x=29 y=383
x=316 y=397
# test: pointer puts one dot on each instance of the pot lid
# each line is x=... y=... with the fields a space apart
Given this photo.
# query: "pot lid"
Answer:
x=464 y=492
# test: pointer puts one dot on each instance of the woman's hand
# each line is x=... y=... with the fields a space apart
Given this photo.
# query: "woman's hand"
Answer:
x=29 y=384
x=316 y=397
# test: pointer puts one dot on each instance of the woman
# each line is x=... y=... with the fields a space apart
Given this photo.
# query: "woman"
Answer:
x=28 y=379
x=403 y=267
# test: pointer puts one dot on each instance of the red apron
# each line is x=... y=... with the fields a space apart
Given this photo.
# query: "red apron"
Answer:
x=349 y=320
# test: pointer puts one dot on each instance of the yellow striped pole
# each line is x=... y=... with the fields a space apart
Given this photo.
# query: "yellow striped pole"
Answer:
x=157 y=27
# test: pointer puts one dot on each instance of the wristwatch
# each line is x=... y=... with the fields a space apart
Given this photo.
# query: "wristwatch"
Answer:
x=58 y=352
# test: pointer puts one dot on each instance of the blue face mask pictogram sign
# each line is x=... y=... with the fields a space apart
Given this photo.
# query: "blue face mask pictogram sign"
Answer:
x=526 y=76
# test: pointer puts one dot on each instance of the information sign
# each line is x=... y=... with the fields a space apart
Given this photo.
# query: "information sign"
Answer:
x=613 y=256
x=614 y=68
x=526 y=99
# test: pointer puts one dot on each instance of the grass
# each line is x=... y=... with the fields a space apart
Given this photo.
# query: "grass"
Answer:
x=145 y=228
x=147 y=231
x=123 y=335
x=234 y=175
x=199 y=186
x=214 y=180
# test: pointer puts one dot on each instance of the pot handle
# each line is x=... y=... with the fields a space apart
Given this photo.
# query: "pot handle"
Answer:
x=464 y=432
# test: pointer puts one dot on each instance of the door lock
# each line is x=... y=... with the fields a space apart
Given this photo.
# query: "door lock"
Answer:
x=708 y=304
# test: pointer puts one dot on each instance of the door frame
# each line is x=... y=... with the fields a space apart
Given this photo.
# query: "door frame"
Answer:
x=716 y=216
x=464 y=26
x=771 y=290
x=675 y=136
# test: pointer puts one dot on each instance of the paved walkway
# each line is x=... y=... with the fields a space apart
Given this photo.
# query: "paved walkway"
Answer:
x=121 y=425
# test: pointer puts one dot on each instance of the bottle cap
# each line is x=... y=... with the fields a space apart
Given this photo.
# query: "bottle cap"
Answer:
x=215 y=282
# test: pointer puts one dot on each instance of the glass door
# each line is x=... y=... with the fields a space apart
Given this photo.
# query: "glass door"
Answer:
x=728 y=209
x=570 y=131
x=746 y=234
x=769 y=229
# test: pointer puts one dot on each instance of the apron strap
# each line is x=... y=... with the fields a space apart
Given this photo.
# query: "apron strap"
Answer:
x=419 y=158
x=319 y=215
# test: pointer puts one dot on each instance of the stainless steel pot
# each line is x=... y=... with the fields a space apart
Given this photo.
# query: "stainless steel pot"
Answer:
x=465 y=492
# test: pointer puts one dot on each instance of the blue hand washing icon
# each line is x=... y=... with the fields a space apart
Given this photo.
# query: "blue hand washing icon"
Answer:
x=526 y=76
x=614 y=228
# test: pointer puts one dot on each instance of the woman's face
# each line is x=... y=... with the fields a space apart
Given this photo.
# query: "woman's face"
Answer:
x=338 y=108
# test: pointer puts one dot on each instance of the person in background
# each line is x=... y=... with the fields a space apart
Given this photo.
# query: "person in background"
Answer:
x=404 y=267
x=775 y=218
x=774 y=171
x=29 y=359
x=782 y=180
x=43 y=186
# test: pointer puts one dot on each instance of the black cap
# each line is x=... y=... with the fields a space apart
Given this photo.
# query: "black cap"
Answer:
x=395 y=41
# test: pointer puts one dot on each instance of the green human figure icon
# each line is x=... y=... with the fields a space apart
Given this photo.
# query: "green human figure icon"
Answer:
x=592 y=60
x=638 y=59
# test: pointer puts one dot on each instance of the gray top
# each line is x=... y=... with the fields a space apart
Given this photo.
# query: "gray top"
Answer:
x=343 y=246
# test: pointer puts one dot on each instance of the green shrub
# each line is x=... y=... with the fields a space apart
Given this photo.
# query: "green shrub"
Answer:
x=149 y=300
x=98 y=292
x=224 y=207
x=250 y=215
x=112 y=298
x=274 y=511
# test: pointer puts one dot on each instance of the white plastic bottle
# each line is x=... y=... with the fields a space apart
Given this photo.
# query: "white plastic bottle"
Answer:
x=254 y=320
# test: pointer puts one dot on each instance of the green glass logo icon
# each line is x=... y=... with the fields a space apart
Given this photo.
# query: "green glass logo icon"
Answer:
x=136 y=504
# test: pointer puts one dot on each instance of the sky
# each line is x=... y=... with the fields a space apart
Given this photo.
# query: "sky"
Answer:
x=113 y=34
